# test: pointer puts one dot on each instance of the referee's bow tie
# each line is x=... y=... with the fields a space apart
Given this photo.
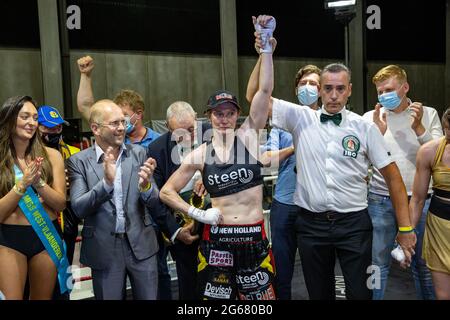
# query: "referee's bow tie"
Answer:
x=336 y=118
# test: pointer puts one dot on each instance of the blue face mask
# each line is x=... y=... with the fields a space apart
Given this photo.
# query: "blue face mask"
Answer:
x=129 y=127
x=307 y=94
x=390 y=100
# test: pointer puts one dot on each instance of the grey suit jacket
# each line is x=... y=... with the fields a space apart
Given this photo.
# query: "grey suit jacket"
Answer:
x=91 y=202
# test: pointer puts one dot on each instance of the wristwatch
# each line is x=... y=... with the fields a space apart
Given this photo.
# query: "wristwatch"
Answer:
x=40 y=184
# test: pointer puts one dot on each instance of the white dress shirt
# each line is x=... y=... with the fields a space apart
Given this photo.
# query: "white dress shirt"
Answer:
x=332 y=161
x=116 y=188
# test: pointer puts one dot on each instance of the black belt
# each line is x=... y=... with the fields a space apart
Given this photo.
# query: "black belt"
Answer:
x=439 y=208
x=328 y=215
x=441 y=193
x=409 y=197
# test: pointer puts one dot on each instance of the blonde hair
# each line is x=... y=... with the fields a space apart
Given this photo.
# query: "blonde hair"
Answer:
x=389 y=72
x=131 y=98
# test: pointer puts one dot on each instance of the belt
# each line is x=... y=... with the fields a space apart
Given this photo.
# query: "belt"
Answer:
x=409 y=197
x=328 y=215
x=439 y=208
x=119 y=235
x=441 y=193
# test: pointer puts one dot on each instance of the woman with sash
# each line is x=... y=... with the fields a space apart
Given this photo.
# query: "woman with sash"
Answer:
x=433 y=160
x=32 y=192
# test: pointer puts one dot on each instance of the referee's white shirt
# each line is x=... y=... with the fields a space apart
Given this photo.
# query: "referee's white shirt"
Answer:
x=332 y=161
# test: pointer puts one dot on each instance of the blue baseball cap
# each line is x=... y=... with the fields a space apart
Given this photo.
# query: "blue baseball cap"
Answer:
x=50 y=117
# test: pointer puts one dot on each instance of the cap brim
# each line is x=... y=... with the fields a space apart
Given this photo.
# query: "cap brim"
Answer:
x=222 y=102
x=51 y=124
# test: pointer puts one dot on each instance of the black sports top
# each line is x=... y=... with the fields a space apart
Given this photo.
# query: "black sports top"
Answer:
x=242 y=171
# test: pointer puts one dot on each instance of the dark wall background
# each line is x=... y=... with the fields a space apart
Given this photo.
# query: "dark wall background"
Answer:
x=19 y=25
x=182 y=26
x=304 y=28
x=411 y=30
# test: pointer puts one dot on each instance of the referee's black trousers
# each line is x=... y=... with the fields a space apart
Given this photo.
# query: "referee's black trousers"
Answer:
x=322 y=236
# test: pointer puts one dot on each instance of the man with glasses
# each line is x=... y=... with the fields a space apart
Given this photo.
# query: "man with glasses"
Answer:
x=112 y=189
x=132 y=105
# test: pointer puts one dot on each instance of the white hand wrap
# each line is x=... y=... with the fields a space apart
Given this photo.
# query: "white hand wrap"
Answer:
x=266 y=33
x=398 y=254
x=210 y=216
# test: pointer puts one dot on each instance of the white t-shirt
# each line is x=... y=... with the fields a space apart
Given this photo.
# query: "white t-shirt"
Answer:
x=404 y=144
x=332 y=161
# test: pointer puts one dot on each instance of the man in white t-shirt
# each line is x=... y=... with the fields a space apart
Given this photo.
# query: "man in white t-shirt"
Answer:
x=333 y=149
x=405 y=125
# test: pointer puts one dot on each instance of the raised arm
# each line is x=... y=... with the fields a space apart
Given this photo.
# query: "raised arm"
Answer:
x=259 y=108
x=421 y=181
x=85 y=95
x=253 y=81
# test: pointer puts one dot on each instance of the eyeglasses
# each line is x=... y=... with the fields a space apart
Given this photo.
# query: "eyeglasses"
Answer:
x=114 y=124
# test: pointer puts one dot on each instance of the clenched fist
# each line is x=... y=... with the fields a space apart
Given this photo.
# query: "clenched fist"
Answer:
x=85 y=65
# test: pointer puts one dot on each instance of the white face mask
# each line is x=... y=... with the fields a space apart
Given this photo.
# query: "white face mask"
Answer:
x=307 y=94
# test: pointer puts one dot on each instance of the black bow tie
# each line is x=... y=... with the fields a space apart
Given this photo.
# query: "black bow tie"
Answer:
x=336 y=118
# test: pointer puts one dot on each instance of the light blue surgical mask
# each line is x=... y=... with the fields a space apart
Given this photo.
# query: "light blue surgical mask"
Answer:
x=307 y=94
x=390 y=100
x=129 y=127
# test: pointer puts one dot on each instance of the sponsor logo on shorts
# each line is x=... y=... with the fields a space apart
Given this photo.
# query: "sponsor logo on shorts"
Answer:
x=236 y=234
x=256 y=280
x=220 y=258
x=237 y=240
x=239 y=230
x=221 y=279
x=214 y=229
x=266 y=294
x=218 y=292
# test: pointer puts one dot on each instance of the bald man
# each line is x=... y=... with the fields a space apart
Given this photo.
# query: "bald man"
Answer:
x=112 y=189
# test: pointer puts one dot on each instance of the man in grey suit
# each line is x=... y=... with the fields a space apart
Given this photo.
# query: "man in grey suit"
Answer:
x=112 y=190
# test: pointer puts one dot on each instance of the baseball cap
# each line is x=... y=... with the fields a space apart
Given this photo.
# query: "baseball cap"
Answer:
x=219 y=97
x=50 y=117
